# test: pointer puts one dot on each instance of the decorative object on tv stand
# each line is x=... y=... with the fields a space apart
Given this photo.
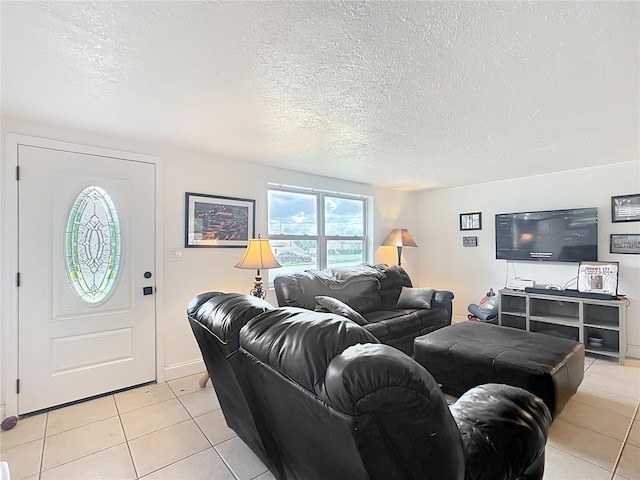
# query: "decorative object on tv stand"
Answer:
x=258 y=256
x=471 y=221
x=399 y=237
x=625 y=208
x=217 y=221
x=598 y=277
x=625 y=243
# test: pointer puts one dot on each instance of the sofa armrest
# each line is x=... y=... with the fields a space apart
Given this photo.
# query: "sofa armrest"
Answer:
x=411 y=424
x=224 y=314
x=199 y=300
x=443 y=299
x=504 y=432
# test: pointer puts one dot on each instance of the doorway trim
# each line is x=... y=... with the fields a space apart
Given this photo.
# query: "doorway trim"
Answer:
x=9 y=258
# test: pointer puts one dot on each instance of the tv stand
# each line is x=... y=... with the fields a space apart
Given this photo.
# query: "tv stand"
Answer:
x=570 y=293
x=601 y=324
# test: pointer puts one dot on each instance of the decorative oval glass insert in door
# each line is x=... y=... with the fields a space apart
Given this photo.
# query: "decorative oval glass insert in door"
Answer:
x=93 y=245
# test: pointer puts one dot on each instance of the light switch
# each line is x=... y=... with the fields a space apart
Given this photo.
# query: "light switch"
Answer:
x=174 y=254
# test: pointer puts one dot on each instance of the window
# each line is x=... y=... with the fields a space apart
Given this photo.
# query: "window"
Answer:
x=311 y=229
x=93 y=245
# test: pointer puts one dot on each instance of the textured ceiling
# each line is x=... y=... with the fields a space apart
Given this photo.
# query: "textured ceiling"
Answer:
x=408 y=95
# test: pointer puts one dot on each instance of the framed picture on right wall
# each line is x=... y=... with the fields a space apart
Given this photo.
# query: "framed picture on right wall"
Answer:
x=625 y=243
x=625 y=208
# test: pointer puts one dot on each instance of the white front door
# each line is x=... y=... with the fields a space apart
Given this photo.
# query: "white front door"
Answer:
x=86 y=307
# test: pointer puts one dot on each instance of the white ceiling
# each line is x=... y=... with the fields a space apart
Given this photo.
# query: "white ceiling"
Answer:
x=408 y=95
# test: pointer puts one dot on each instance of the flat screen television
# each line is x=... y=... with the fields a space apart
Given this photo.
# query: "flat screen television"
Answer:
x=552 y=235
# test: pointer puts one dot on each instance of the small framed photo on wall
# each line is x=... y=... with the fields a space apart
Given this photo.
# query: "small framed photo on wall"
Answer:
x=469 y=241
x=625 y=208
x=471 y=221
x=625 y=243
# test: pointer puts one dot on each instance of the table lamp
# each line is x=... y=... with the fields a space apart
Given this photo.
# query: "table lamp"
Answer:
x=258 y=256
x=399 y=237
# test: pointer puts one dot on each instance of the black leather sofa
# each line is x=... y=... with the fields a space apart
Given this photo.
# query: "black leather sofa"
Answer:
x=325 y=400
x=373 y=291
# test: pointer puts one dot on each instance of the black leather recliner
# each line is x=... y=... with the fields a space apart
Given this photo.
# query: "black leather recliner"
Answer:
x=327 y=401
x=216 y=319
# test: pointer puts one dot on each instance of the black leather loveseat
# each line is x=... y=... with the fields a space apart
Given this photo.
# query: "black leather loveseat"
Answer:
x=326 y=400
x=380 y=297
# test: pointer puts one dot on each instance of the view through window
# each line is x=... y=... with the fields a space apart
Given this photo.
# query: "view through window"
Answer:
x=310 y=229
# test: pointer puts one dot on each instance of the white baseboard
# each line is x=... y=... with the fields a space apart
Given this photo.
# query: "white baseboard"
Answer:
x=633 y=351
x=3 y=412
x=184 y=369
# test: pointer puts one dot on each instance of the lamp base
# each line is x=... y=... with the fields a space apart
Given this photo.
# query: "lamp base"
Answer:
x=257 y=290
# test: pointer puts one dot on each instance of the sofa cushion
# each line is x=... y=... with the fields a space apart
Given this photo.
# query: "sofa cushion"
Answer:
x=389 y=325
x=334 y=305
x=359 y=287
x=300 y=343
x=415 y=298
x=391 y=286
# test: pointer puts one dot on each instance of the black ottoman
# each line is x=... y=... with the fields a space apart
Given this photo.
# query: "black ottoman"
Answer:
x=468 y=354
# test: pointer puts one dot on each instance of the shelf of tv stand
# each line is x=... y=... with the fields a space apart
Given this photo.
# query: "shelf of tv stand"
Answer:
x=567 y=322
x=570 y=317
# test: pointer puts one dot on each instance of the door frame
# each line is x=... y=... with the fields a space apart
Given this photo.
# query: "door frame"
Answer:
x=9 y=254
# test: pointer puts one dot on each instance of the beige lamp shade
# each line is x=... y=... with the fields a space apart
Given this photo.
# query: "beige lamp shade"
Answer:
x=258 y=255
x=399 y=237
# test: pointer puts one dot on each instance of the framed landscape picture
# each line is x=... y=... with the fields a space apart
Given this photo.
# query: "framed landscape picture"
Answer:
x=217 y=221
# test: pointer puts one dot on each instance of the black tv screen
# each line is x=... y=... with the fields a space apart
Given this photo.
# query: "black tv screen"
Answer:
x=553 y=235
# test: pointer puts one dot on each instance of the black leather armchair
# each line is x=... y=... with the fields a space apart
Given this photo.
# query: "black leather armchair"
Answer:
x=339 y=405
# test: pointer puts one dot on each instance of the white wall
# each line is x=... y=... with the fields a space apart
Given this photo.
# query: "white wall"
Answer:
x=205 y=269
x=470 y=271
x=432 y=218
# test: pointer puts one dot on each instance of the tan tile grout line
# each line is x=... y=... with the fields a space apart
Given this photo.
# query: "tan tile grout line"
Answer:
x=224 y=461
x=126 y=440
x=191 y=418
x=624 y=443
x=44 y=439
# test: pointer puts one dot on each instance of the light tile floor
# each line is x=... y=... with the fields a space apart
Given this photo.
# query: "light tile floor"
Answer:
x=175 y=430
